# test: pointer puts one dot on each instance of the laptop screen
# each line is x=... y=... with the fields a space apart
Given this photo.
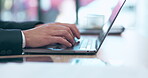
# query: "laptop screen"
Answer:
x=107 y=26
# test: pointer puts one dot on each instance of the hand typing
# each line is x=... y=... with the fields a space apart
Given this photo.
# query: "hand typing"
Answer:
x=52 y=33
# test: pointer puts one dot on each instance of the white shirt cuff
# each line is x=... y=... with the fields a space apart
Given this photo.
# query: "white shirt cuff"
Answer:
x=24 y=43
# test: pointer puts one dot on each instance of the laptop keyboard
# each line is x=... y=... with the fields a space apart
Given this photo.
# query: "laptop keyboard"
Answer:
x=85 y=44
x=82 y=44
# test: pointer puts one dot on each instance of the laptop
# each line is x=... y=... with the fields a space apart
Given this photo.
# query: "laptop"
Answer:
x=85 y=45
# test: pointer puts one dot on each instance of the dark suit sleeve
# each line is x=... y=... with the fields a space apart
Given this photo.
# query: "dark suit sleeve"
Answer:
x=20 y=25
x=11 y=36
x=10 y=42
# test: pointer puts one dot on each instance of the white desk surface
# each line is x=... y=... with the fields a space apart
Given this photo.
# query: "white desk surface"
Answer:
x=64 y=70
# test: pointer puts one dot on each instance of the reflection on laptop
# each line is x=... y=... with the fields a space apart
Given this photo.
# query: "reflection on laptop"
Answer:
x=87 y=44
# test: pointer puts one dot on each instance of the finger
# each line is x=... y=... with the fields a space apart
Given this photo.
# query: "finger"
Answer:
x=73 y=28
x=76 y=29
x=62 y=41
x=61 y=27
x=68 y=30
x=65 y=34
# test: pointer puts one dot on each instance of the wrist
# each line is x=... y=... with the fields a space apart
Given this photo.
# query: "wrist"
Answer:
x=39 y=25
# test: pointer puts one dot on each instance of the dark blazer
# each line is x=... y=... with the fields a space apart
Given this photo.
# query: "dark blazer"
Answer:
x=11 y=36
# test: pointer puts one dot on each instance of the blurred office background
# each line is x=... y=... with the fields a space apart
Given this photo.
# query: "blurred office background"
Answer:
x=62 y=10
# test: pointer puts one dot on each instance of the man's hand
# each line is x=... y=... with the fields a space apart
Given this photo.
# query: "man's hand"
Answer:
x=46 y=34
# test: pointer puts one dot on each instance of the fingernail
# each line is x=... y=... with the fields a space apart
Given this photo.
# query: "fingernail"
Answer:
x=78 y=37
x=73 y=43
x=70 y=45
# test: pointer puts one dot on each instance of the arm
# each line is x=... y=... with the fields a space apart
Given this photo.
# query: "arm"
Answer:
x=10 y=42
x=46 y=34
x=11 y=36
x=16 y=25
